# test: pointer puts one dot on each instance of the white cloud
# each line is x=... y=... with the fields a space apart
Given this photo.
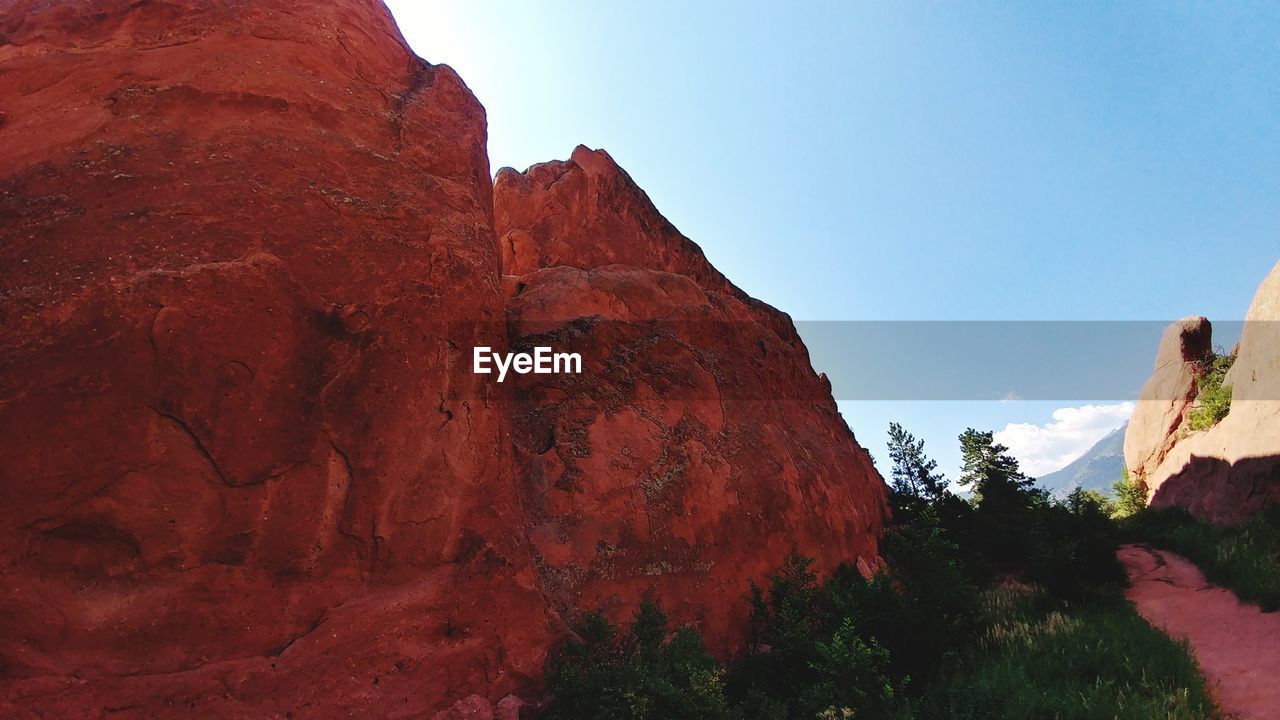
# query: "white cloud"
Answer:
x=1041 y=449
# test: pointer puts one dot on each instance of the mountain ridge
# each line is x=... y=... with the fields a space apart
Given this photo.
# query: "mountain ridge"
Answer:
x=1099 y=467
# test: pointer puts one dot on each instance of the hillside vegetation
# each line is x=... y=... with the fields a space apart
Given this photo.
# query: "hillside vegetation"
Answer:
x=1244 y=558
x=1004 y=604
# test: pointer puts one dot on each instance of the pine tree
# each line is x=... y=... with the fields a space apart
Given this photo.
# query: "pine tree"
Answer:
x=914 y=473
x=989 y=468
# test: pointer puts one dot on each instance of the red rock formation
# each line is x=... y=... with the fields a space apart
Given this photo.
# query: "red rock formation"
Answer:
x=698 y=447
x=1231 y=470
x=238 y=462
x=586 y=212
x=245 y=469
x=1160 y=414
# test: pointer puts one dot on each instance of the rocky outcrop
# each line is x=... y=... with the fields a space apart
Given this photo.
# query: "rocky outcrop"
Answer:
x=1160 y=415
x=585 y=212
x=1231 y=470
x=238 y=458
x=245 y=467
x=697 y=415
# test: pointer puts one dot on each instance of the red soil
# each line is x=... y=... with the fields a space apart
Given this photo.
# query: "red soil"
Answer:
x=1235 y=643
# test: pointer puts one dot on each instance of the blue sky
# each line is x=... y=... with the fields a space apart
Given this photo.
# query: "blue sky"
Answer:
x=928 y=161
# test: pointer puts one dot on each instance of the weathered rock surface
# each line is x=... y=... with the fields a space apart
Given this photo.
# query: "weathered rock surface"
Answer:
x=1160 y=413
x=245 y=467
x=239 y=467
x=698 y=447
x=585 y=212
x=1232 y=470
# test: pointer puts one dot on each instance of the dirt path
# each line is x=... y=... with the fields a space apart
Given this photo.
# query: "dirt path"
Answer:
x=1236 y=644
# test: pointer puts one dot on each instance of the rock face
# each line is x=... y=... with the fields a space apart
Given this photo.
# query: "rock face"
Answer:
x=1160 y=413
x=237 y=459
x=1230 y=471
x=697 y=414
x=245 y=467
x=586 y=212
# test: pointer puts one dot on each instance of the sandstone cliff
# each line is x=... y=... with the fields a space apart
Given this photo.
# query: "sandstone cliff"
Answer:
x=245 y=469
x=698 y=414
x=237 y=462
x=1160 y=415
x=1231 y=470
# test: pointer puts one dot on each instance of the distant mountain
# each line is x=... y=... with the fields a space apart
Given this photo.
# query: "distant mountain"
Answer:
x=1097 y=469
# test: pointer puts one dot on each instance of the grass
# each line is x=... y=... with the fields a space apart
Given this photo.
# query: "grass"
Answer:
x=1043 y=660
x=1244 y=558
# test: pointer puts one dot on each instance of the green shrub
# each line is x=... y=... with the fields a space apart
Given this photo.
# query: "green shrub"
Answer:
x=808 y=652
x=1130 y=496
x=1213 y=399
x=642 y=675
x=933 y=608
x=1074 y=546
x=851 y=647
x=1081 y=498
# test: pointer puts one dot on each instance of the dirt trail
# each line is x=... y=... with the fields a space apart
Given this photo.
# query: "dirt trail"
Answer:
x=1236 y=644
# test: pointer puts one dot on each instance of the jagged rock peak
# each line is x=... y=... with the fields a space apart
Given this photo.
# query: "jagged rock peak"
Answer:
x=1166 y=396
x=587 y=212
